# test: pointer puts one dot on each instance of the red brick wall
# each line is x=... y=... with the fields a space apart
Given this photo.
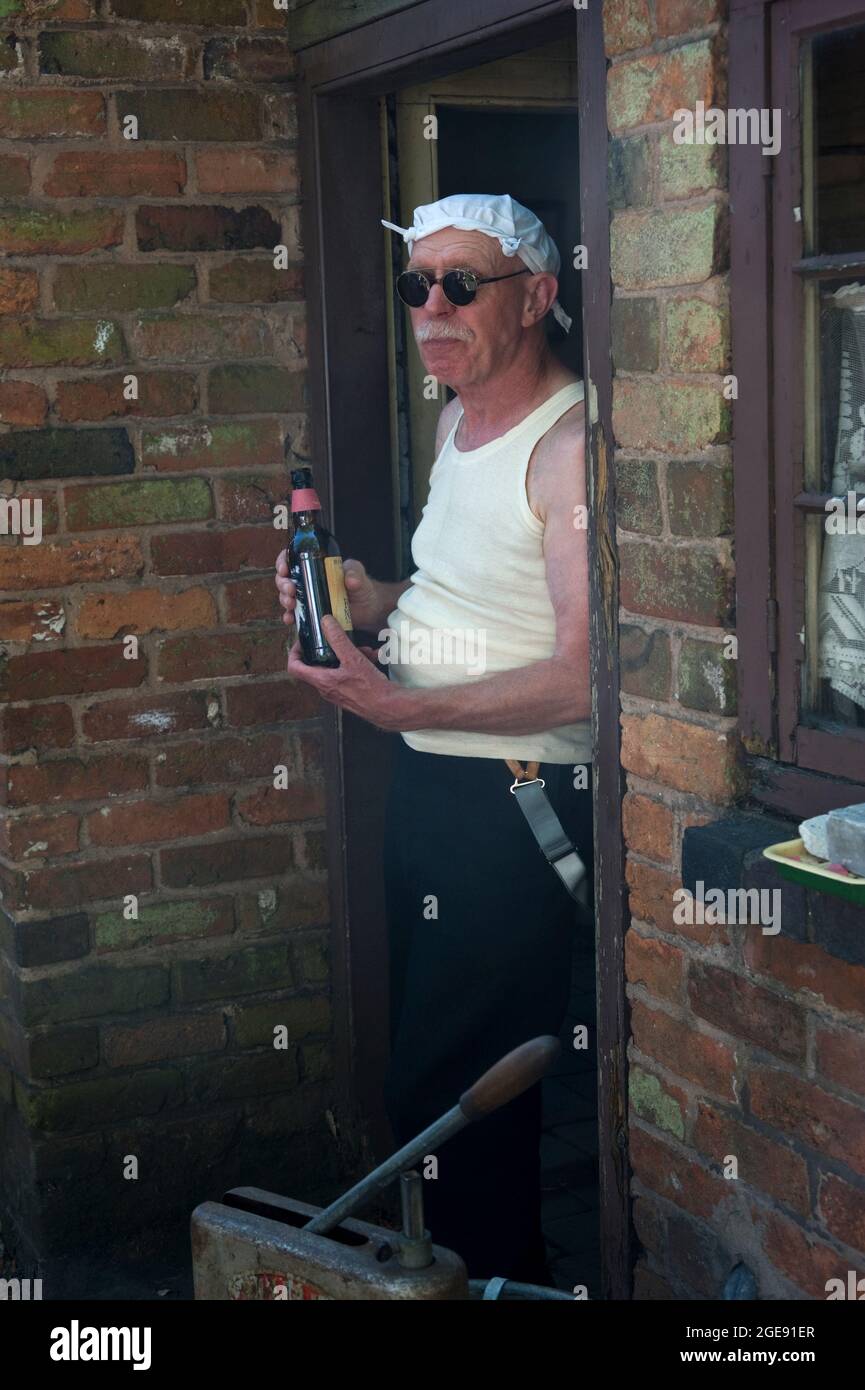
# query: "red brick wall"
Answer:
x=743 y=1044
x=153 y=776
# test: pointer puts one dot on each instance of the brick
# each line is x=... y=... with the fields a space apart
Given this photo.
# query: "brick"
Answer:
x=103 y=397
x=19 y=291
x=164 y=922
x=22 y=403
x=680 y=1178
x=247 y=171
x=146 y=716
x=233 y=1078
x=54 y=453
x=80 y=1105
x=706 y=678
x=254 y=281
x=648 y=826
x=250 y=443
x=671 y=415
x=646 y=662
x=39 y=621
x=693 y=586
x=269 y=806
x=161 y=1039
x=299 y=901
x=213 y=552
x=629 y=172
x=300 y=1016
x=114 y=55
x=60 y=343
x=39 y=113
x=61 y=1051
x=657 y=966
x=40 y=837
x=266 y=17
x=147 y=822
x=800 y=1255
x=112 y=615
x=655 y=1100
x=681 y=16
x=802 y=1110
x=226 y=759
x=249 y=971
x=26 y=231
x=115 y=288
x=196 y=657
x=697 y=334
x=139 y=502
x=47 y=943
x=252 y=498
x=57 y=11
x=627 y=25
x=638 y=498
x=668 y=246
x=764 y=1163
x=200 y=338
x=77 y=779
x=14 y=176
x=73 y=671
x=77 y=885
x=635 y=327
x=36 y=728
x=676 y=1044
x=842 y=1210
x=841 y=1057
x=803 y=967
x=268 y=60
x=837 y=927
x=689 y=169
x=271 y=702
x=56 y=564
x=311 y=957
x=654 y=86
x=699 y=498
x=182 y=114
x=95 y=174
x=194 y=228
x=745 y=1010
x=227 y=861
x=249 y=600
x=684 y=756
x=255 y=390
x=203 y=12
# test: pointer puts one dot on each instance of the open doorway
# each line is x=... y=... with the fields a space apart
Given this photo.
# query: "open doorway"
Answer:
x=509 y=126
x=362 y=431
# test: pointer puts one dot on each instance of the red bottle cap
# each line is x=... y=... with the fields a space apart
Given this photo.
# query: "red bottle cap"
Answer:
x=305 y=499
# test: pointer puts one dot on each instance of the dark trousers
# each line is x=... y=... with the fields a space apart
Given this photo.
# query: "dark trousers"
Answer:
x=481 y=934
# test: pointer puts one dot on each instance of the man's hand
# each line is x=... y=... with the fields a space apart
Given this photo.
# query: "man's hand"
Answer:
x=367 y=597
x=357 y=684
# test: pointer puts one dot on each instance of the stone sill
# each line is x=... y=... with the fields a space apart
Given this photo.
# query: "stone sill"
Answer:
x=728 y=854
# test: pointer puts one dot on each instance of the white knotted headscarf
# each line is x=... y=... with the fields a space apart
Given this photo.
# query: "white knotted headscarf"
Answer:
x=517 y=230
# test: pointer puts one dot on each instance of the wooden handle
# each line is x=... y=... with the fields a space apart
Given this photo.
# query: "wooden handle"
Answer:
x=509 y=1077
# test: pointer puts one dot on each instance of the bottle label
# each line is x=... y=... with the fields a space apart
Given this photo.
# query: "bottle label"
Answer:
x=336 y=588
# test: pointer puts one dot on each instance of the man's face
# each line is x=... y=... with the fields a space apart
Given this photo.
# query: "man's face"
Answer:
x=468 y=345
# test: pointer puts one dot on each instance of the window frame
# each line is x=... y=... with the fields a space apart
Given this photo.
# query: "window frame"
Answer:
x=796 y=767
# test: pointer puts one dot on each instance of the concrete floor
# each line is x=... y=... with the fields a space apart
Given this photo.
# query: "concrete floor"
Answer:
x=569 y=1146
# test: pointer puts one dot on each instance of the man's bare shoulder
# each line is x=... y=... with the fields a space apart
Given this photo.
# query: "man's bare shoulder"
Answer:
x=557 y=467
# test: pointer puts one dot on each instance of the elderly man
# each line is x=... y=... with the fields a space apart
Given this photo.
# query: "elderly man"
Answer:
x=480 y=925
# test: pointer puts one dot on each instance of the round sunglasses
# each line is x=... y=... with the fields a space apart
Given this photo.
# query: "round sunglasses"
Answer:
x=459 y=286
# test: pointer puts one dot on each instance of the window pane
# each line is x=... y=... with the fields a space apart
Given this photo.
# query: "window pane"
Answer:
x=838 y=67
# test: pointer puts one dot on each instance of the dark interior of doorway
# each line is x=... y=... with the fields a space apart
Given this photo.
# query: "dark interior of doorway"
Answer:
x=532 y=155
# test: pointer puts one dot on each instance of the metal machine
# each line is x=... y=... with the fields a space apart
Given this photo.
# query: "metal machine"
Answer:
x=257 y=1245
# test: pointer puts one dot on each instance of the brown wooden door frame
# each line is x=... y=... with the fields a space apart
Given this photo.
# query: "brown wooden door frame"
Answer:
x=341 y=81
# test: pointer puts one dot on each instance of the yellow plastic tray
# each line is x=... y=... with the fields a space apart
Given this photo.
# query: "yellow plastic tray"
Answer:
x=794 y=862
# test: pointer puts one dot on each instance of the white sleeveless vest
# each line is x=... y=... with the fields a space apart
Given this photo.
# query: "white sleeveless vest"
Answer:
x=478 y=602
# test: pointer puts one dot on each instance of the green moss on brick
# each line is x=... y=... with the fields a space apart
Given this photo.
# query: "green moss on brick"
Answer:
x=60 y=343
x=247 y=390
x=241 y=445
x=31 y=231
x=109 y=54
x=707 y=679
x=638 y=499
x=65 y=453
x=190 y=115
x=300 y=1016
x=142 y=502
x=653 y=1103
x=115 y=288
x=91 y=992
x=257 y=968
x=171 y=921
x=83 y=1105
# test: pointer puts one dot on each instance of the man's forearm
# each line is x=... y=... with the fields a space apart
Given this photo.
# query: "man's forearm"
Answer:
x=529 y=699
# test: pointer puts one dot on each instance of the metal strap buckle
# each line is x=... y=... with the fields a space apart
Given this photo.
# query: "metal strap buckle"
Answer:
x=527 y=782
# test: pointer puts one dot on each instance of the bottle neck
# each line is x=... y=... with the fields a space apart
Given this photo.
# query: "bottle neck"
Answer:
x=306 y=518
